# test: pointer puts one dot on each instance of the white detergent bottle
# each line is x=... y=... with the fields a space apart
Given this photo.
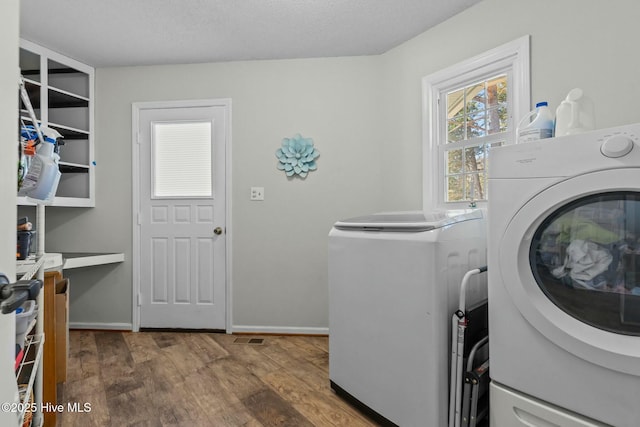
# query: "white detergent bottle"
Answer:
x=43 y=176
x=540 y=127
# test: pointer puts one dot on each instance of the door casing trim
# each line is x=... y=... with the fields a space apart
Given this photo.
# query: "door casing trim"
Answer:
x=136 y=107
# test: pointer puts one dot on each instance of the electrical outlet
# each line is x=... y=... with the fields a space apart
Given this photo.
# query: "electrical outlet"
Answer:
x=257 y=193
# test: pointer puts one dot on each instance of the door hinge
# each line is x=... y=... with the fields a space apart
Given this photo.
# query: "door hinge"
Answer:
x=139 y=299
x=139 y=218
x=138 y=139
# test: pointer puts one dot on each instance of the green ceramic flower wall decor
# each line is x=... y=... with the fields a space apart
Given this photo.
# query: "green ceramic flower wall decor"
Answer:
x=297 y=156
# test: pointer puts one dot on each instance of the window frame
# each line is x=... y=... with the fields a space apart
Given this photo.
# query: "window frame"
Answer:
x=464 y=144
x=513 y=59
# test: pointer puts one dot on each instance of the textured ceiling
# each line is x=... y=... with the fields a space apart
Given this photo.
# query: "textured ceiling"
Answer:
x=106 y=33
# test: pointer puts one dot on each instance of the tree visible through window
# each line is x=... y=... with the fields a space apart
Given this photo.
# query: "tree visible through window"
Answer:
x=470 y=108
x=477 y=119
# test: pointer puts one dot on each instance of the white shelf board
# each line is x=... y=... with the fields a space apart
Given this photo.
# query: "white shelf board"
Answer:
x=29 y=266
x=78 y=260
x=66 y=92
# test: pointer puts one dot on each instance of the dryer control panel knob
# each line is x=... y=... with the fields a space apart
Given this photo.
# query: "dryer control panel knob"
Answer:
x=617 y=146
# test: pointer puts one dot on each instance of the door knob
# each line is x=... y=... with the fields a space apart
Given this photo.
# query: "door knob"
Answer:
x=217 y=231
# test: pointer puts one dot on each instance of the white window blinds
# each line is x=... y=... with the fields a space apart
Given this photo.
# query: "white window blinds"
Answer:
x=181 y=159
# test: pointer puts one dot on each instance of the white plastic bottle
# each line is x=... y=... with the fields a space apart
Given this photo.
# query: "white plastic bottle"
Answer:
x=576 y=114
x=43 y=176
x=540 y=127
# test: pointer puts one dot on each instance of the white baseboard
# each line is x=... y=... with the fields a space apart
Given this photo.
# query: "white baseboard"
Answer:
x=285 y=330
x=243 y=329
x=106 y=326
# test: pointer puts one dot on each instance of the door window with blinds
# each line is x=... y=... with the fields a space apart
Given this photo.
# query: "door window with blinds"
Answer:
x=182 y=160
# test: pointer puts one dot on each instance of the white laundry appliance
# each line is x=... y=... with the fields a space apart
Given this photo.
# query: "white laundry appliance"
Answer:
x=394 y=281
x=564 y=280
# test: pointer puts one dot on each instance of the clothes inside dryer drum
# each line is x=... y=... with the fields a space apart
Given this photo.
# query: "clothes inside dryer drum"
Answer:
x=586 y=258
x=584 y=263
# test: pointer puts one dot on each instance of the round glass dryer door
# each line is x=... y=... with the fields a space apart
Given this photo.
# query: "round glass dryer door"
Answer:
x=585 y=257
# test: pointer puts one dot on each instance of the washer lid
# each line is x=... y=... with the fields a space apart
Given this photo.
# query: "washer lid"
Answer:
x=412 y=221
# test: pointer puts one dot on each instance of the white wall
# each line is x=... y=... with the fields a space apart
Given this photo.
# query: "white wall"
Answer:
x=279 y=245
x=9 y=74
x=574 y=43
x=8 y=177
x=364 y=114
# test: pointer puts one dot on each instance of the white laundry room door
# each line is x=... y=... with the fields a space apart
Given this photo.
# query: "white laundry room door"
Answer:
x=181 y=216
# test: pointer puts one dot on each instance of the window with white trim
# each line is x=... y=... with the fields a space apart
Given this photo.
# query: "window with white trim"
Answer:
x=477 y=119
x=469 y=109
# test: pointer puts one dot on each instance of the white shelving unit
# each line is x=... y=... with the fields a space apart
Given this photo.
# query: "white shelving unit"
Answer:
x=61 y=92
x=27 y=374
x=30 y=373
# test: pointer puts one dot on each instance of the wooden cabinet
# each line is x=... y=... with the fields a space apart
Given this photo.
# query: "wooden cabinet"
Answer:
x=61 y=92
x=56 y=339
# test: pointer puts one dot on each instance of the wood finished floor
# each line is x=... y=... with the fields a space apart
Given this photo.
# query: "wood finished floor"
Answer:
x=201 y=380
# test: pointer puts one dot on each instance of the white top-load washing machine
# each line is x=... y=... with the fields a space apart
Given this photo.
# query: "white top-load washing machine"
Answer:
x=394 y=280
x=564 y=280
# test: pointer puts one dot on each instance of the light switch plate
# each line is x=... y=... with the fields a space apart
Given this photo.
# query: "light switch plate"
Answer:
x=257 y=193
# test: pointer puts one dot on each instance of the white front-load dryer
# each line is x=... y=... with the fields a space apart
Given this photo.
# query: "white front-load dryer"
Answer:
x=564 y=280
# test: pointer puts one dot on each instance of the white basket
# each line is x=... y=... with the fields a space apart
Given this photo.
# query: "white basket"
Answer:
x=23 y=320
